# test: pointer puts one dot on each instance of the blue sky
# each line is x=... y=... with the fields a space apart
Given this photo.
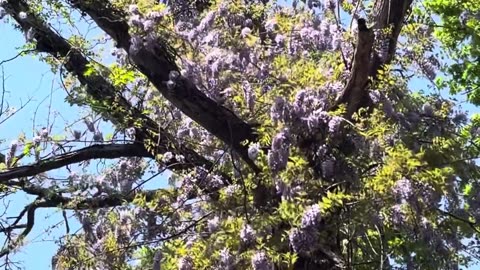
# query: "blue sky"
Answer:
x=27 y=77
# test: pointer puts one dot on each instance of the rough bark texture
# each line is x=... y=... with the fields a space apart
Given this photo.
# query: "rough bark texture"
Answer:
x=99 y=88
x=354 y=95
x=87 y=153
x=157 y=64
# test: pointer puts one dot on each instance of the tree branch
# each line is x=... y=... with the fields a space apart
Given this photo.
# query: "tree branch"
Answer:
x=98 y=87
x=386 y=14
x=109 y=151
x=157 y=64
x=354 y=92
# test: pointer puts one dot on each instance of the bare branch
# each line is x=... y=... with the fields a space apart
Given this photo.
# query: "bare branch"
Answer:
x=92 y=152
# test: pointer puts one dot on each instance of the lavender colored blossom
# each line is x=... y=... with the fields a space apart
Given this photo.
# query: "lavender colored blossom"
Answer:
x=382 y=49
x=310 y=4
x=130 y=132
x=302 y=241
x=247 y=234
x=271 y=25
x=232 y=189
x=185 y=263
x=246 y=31
x=281 y=140
x=215 y=181
x=279 y=110
x=403 y=188
x=334 y=124
x=183 y=132
x=249 y=95
x=226 y=259
x=173 y=75
x=137 y=21
x=213 y=224
x=212 y=38
x=155 y=16
x=260 y=261
x=171 y=85
x=280 y=40
x=148 y=25
x=157 y=258
x=322 y=150
x=133 y=9
x=375 y=96
x=337 y=40
x=44 y=133
x=180 y=158
x=278 y=155
x=167 y=157
x=429 y=69
x=329 y=4
x=37 y=140
x=311 y=217
x=464 y=16
x=253 y=151
x=207 y=21
x=397 y=214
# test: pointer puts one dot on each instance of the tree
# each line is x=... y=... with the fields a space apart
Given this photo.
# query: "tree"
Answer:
x=291 y=136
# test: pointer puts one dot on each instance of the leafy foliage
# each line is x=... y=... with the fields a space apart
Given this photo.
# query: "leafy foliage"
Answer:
x=394 y=184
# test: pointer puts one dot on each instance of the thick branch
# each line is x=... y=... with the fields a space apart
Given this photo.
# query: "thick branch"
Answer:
x=387 y=14
x=354 y=92
x=98 y=87
x=109 y=151
x=156 y=64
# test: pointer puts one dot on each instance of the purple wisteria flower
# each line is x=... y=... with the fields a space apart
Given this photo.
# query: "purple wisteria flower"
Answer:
x=260 y=261
x=226 y=259
x=213 y=224
x=397 y=214
x=403 y=188
x=279 y=110
x=311 y=216
x=253 y=151
x=247 y=234
x=246 y=31
x=302 y=241
x=334 y=124
x=185 y=263
x=280 y=151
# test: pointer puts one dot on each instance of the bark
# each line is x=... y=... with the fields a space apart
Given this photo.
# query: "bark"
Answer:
x=387 y=14
x=157 y=64
x=354 y=93
x=121 y=111
x=93 y=152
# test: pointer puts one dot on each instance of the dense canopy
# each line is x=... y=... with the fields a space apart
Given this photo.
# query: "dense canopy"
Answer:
x=290 y=133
